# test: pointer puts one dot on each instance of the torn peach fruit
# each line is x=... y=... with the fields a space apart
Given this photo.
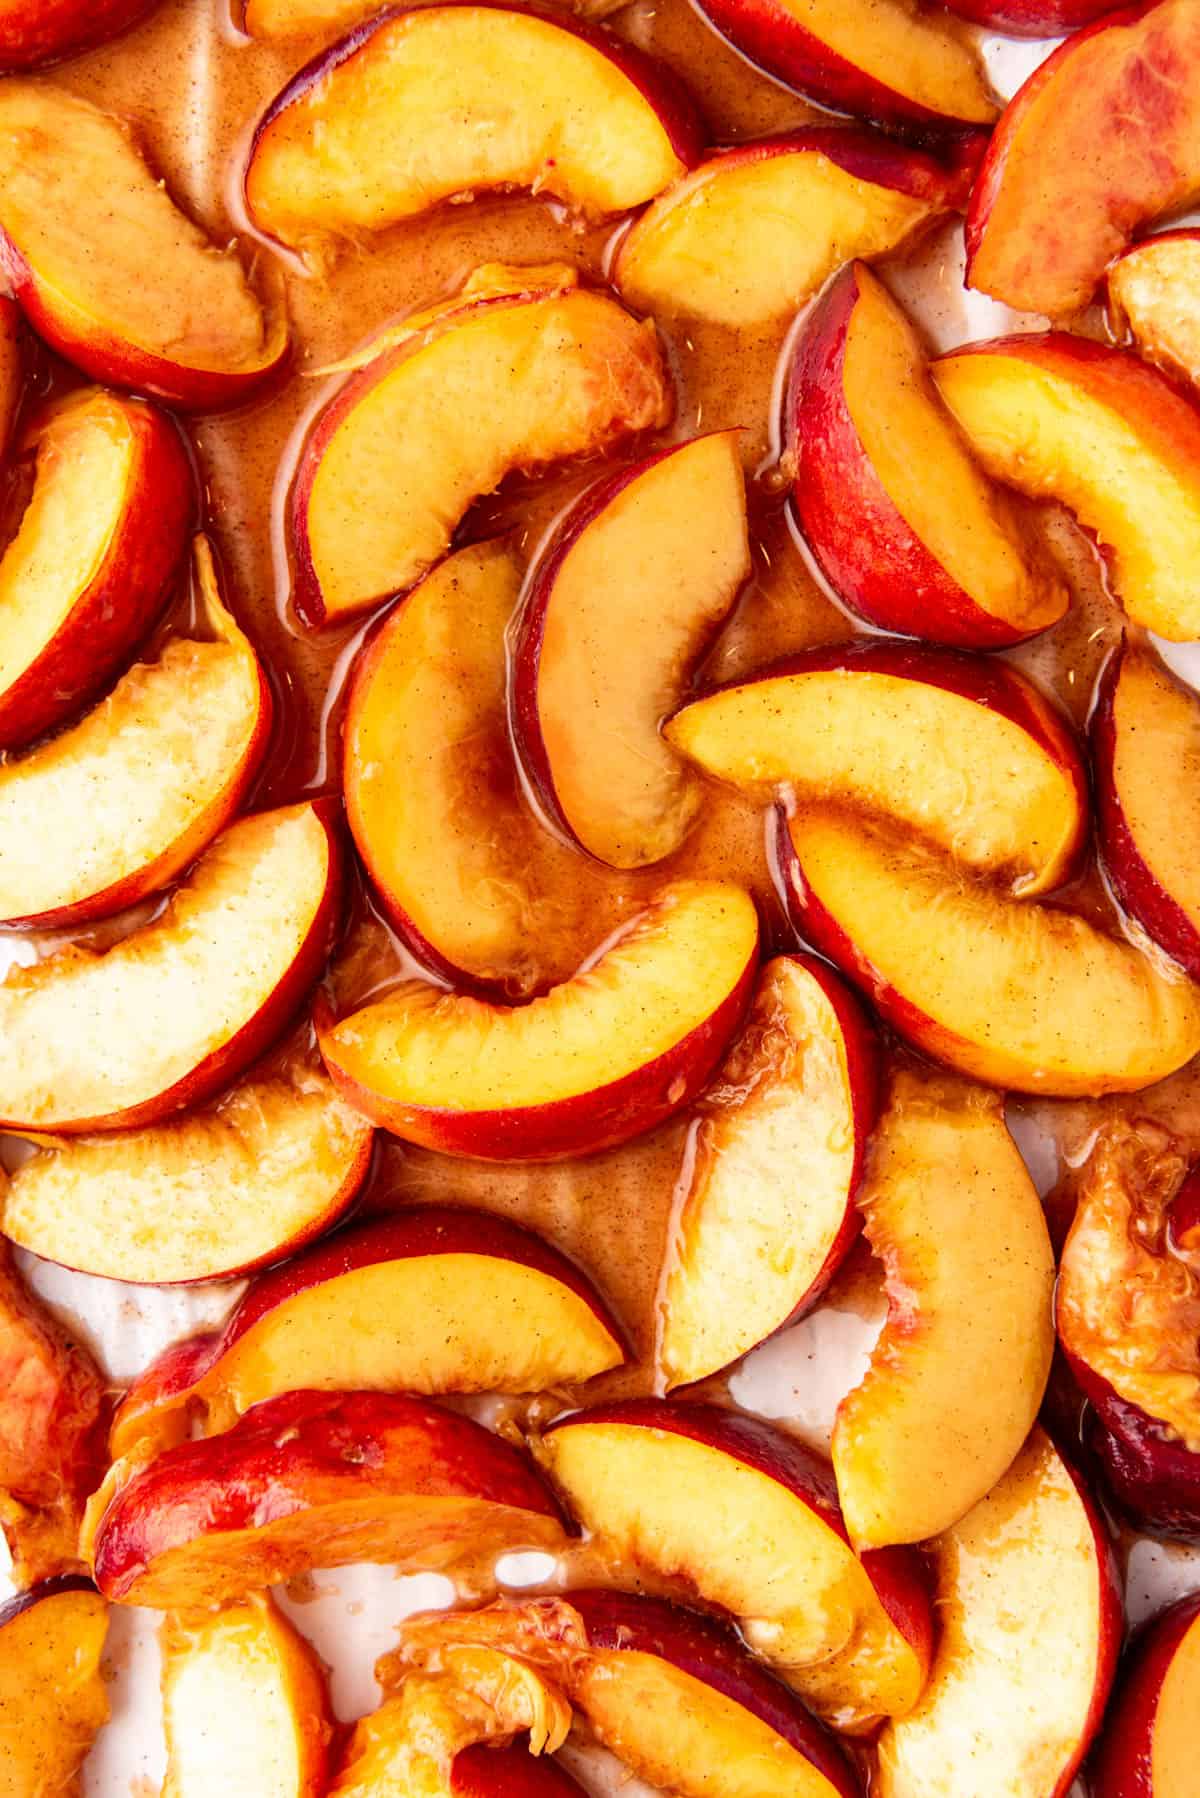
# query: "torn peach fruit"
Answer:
x=40 y=31
x=53 y=1699
x=1152 y=293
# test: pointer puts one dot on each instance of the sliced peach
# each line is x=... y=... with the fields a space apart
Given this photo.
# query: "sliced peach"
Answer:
x=53 y=1699
x=1148 y=1746
x=595 y=1061
x=1152 y=293
x=82 y=832
x=966 y=753
x=754 y=231
x=244 y=1706
x=480 y=891
x=1033 y=18
x=12 y=371
x=38 y=31
x=173 y=1011
x=957 y=1376
x=1068 y=419
x=97 y=545
x=904 y=524
x=768 y=1212
x=1047 y=214
x=1030 y=1611
x=402 y=114
x=630 y=589
x=524 y=369
x=107 y=268
x=883 y=59
x=208 y=1196
x=53 y=1408
x=747 y=1518
x=315 y=1479
x=1022 y=996
x=432 y=1300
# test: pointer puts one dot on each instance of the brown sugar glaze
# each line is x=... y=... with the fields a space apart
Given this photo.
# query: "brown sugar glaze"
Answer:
x=193 y=84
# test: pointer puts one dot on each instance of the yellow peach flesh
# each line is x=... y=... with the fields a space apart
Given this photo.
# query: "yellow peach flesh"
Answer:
x=1173 y=1754
x=1152 y=292
x=928 y=59
x=1156 y=774
x=53 y=1698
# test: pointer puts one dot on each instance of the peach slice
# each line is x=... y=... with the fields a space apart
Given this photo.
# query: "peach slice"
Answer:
x=903 y=523
x=96 y=547
x=433 y=1300
x=53 y=1699
x=957 y=1377
x=1030 y=1611
x=1064 y=418
x=523 y=369
x=747 y=1519
x=53 y=1408
x=1152 y=293
x=478 y=889
x=754 y=231
x=12 y=371
x=630 y=589
x=179 y=1007
x=768 y=1212
x=38 y=31
x=595 y=1061
x=402 y=114
x=315 y=1479
x=244 y=1706
x=82 y=833
x=1033 y=18
x=1146 y=747
x=207 y=1196
x=1020 y=995
x=968 y=754
x=1047 y=215
x=883 y=59
x=1148 y=1746
x=131 y=291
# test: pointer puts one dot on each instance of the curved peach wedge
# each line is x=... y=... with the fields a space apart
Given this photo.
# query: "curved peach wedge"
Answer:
x=179 y=1007
x=1019 y=995
x=402 y=114
x=246 y=1666
x=53 y=1698
x=208 y=1196
x=904 y=524
x=96 y=547
x=1030 y=1612
x=1033 y=18
x=1152 y=293
x=747 y=1518
x=768 y=1214
x=752 y=232
x=315 y=1479
x=524 y=369
x=963 y=1360
x=135 y=294
x=595 y=1061
x=82 y=831
x=1064 y=418
x=1147 y=1749
x=966 y=753
x=600 y=654
x=39 y=31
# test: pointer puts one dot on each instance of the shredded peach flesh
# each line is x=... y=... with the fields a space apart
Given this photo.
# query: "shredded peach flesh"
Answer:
x=53 y=1699
x=927 y=59
x=1156 y=774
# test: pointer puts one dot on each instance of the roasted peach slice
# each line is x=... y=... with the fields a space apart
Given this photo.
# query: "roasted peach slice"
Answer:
x=880 y=58
x=523 y=369
x=595 y=1061
x=432 y=1300
x=1020 y=995
x=38 y=31
x=316 y=1479
x=509 y=1773
x=1030 y=1610
x=957 y=1376
x=97 y=544
x=754 y=231
x=603 y=652
x=53 y=1699
x=1047 y=214
x=1146 y=748
x=402 y=114
x=480 y=891
x=173 y=1011
x=768 y=1212
x=133 y=292
x=1148 y=1746
x=1064 y=418
x=1033 y=18
x=905 y=526
x=747 y=1518
x=208 y=1196
x=82 y=832
x=1152 y=295
x=966 y=753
